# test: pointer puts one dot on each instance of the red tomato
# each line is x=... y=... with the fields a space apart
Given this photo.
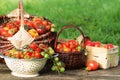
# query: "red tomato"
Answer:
x=44 y=23
x=89 y=43
x=9 y=25
x=33 y=55
x=17 y=22
x=5 y=33
x=72 y=46
x=72 y=41
x=59 y=47
x=33 y=46
x=48 y=27
x=30 y=24
x=37 y=23
x=66 y=44
x=37 y=54
x=29 y=53
x=38 y=49
x=97 y=44
x=74 y=50
x=92 y=65
x=108 y=46
x=40 y=30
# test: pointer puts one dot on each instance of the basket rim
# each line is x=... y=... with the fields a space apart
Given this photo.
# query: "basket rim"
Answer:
x=2 y=56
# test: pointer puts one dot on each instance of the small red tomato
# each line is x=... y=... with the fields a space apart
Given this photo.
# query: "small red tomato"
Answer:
x=108 y=46
x=48 y=27
x=67 y=44
x=74 y=50
x=5 y=33
x=92 y=65
x=40 y=30
x=97 y=44
x=72 y=41
x=59 y=47
x=37 y=54
x=44 y=23
x=17 y=22
x=30 y=24
x=89 y=43
x=38 y=49
x=29 y=53
x=33 y=46
x=72 y=46
x=33 y=55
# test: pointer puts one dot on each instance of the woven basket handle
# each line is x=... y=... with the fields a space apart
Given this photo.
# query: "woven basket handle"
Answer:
x=65 y=27
x=21 y=13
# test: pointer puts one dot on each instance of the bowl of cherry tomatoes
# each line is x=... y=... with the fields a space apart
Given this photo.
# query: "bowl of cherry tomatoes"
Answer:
x=27 y=62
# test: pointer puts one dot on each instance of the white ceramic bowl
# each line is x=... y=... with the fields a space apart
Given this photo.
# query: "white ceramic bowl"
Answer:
x=23 y=67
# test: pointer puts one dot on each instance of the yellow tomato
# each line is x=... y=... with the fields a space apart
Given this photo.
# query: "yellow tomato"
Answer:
x=33 y=33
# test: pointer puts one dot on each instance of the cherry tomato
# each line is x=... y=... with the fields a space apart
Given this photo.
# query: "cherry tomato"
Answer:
x=74 y=50
x=68 y=50
x=44 y=23
x=33 y=46
x=108 y=46
x=29 y=53
x=38 y=49
x=97 y=44
x=5 y=33
x=92 y=65
x=89 y=43
x=67 y=44
x=48 y=27
x=59 y=47
x=30 y=24
x=37 y=54
x=40 y=30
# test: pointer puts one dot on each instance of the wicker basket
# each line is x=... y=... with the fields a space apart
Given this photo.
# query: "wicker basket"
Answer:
x=72 y=60
x=47 y=38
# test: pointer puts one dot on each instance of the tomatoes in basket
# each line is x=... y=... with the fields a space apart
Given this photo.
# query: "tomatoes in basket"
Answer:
x=108 y=46
x=70 y=46
x=34 y=46
x=92 y=65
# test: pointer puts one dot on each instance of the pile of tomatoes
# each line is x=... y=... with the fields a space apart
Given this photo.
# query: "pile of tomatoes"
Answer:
x=30 y=52
x=70 y=46
x=35 y=27
x=98 y=44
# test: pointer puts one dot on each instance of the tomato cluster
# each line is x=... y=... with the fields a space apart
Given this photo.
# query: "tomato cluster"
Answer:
x=99 y=44
x=29 y=52
x=35 y=27
x=69 y=46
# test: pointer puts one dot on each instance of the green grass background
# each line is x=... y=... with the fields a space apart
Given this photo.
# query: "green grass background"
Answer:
x=98 y=19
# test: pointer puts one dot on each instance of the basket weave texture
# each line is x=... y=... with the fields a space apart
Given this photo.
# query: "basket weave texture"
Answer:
x=71 y=60
x=47 y=38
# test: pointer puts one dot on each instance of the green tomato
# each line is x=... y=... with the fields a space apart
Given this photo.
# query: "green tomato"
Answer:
x=53 y=68
x=79 y=48
x=59 y=64
x=62 y=69
x=46 y=56
x=56 y=59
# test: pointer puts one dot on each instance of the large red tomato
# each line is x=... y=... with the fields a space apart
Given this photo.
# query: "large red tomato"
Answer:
x=92 y=65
